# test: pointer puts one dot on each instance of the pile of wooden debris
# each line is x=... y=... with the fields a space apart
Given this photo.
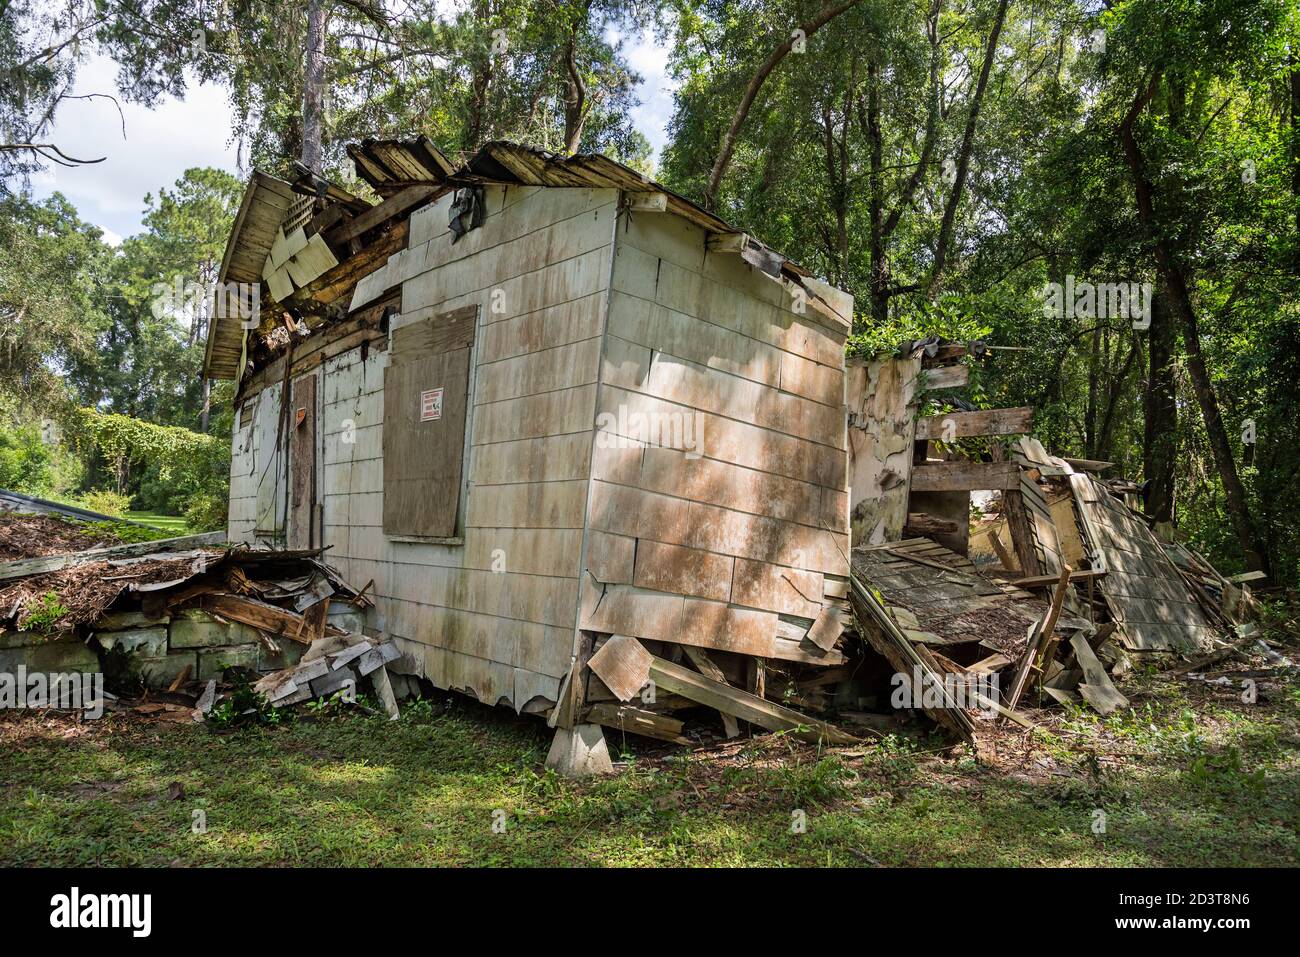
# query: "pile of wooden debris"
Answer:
x=172 y=617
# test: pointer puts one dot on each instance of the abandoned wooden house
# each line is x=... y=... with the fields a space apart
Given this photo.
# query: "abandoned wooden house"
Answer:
x=596 y=455
x=539 y=401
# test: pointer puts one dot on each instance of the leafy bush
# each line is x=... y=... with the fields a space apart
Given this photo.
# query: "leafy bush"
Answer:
x=25 y=461
x=107 y=502
x=205 y=512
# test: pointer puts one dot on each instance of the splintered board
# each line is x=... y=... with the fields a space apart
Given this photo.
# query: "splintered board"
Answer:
x=1143 y=589
x=950 y=600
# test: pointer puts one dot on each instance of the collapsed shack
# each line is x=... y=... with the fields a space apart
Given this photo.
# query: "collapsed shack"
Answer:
x=172 y=618
x=1070 y=584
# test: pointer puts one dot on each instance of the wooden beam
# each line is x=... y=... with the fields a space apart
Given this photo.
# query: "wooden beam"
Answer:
x=965 y=476
x=1042 y=581
x=636 y=721
x=331 y=285
x=727 y=242
x=647 y=202
x=1004 y=556
x=395 y=205
x=26 y=567
x=272 y=619
x=956 y=425
x=677 y=679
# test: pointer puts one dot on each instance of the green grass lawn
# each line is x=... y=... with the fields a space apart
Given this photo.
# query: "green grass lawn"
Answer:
x=1180 y=780
x=175 y=524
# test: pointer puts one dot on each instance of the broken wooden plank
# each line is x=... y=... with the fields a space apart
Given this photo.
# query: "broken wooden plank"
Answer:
x=677 y=679
x=623 y=664
x=272 y=619
x=1096 y=688
x=956 y=425
x=945 y=377
x=889 y=640
x=636 y=721
x=827 y=628
x=1043 y=581
x=1041 y=635
x=965 y=476
x=377 y=215
x=25 y=567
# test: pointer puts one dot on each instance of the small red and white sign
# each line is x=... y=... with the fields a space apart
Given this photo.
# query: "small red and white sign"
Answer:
x=431 y=405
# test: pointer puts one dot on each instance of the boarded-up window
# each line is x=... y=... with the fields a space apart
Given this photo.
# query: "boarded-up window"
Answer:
x=246 y=413
x=426 y=397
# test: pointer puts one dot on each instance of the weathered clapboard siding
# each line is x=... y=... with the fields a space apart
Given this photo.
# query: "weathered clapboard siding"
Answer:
x=731 y=511
x=493 y=613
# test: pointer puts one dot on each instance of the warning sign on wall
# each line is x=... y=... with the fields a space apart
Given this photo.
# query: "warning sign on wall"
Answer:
x=431 y=405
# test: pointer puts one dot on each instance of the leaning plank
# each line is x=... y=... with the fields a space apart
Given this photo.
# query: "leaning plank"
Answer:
x=623 y=664
x=1096 y=688
x=50 y=563
x=956 y=425
x=395 y=205
x=888 y=639
x=827 y=629
x=701 y=660
x=676 y=679
x=965 y=476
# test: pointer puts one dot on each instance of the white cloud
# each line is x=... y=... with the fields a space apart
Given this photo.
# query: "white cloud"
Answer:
x=159 y=145
x=648 y=58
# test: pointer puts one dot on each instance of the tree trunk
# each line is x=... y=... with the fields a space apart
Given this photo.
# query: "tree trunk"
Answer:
x=1180 y=299
x=1295 y=150
x=963 y=157
x=879 y=259
x=1160 y=438
x=313 y=86
x=824 y=16
x=575 y=89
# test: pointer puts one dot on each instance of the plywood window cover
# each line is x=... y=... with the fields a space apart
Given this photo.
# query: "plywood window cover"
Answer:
x=433 y=336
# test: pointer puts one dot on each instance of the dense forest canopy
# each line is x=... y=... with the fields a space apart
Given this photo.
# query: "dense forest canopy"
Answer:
x=1108 y=193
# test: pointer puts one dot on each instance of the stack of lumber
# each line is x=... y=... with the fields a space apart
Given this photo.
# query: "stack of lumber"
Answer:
x=332 y=665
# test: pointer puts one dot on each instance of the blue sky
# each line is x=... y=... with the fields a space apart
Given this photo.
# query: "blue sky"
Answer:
x=146 y=149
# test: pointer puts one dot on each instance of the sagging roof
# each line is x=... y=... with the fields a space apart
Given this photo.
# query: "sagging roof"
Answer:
x=393 y=167
x=265 y=203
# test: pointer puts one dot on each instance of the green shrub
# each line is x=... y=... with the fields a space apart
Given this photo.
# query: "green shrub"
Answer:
x=25 y=461
x=107 y=502
x=205 y=512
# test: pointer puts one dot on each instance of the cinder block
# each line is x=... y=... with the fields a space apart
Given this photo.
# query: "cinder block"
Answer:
x=197 y=629
x=160 y=672
x=25 y=639
x=51 y=656
x=145 y=642
x=290 y=654
x=213 y=661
